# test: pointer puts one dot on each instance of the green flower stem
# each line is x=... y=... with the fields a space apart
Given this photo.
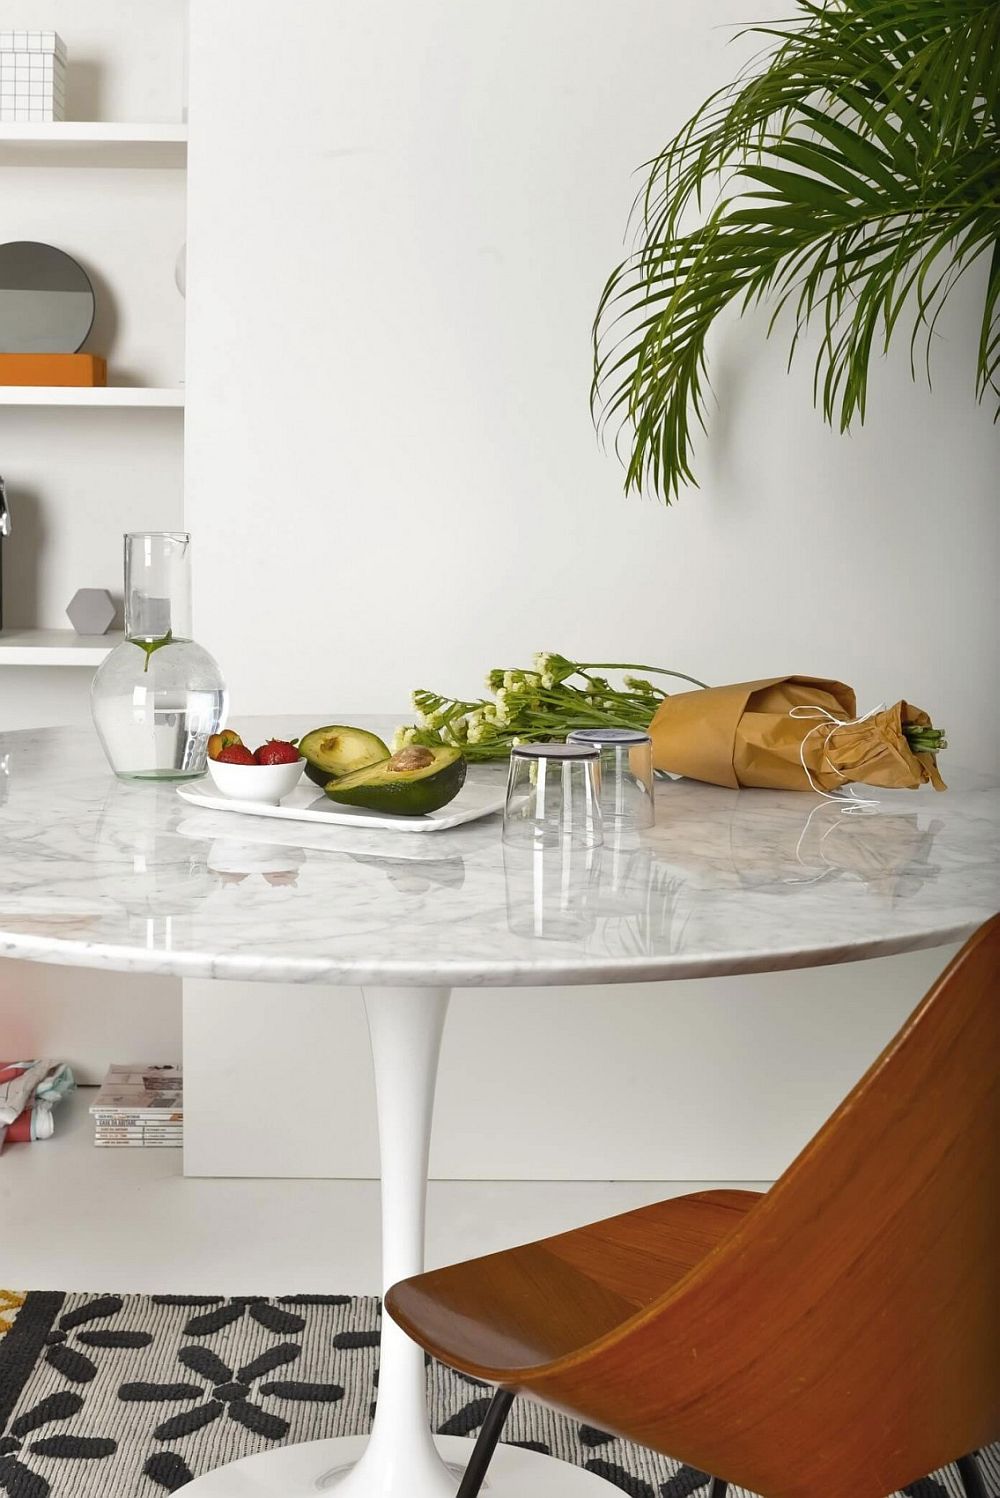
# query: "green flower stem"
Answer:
x=625 y=666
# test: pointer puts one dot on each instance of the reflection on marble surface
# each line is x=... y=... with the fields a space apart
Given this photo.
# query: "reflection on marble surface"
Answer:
x=551 y=892
x=104 y=873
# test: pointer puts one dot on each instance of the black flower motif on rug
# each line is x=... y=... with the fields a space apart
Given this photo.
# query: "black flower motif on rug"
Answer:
x=685 y=1482
x=168 y=1470
x=77 y=1366
x=226 y=1393
x=17 y=1475
x=223 y=1313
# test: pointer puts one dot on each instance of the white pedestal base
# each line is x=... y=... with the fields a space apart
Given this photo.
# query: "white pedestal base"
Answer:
x=401 y=1458
x=315 y=1468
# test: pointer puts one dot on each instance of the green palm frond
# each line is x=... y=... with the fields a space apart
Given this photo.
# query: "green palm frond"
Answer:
x=854 y=178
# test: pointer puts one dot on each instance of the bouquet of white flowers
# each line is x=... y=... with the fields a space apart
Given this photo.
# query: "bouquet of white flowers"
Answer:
x=794 y=732
x=536 y=705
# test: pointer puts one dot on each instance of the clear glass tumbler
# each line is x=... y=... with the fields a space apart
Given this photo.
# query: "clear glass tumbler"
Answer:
x=158 y=696
x=552 y=796
x=626 y=776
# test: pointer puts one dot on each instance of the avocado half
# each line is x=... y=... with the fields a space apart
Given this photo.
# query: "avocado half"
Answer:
x=338 y=750
x=411 y=783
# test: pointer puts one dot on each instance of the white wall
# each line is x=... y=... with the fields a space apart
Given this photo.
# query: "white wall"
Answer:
x=389 y=371
x=393 y=481
x=86 y=1017
x=706 y=1080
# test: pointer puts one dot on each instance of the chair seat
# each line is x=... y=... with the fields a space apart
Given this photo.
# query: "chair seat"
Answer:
x=495 y=1316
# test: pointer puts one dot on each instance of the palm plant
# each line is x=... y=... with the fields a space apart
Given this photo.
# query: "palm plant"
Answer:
x=855 y=171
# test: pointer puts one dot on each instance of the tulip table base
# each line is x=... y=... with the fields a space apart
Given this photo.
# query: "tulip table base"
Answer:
x=327 y=1467
x=400 y=1459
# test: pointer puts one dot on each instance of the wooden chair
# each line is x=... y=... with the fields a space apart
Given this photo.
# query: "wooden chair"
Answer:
x=837 y=1337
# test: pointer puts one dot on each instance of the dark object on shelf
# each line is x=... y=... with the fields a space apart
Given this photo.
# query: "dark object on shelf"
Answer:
x=53 y=369
x=46 y=300
x=4 y=532
x=736 y=1330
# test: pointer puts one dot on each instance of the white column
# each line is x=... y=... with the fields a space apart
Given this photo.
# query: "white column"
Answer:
x=406 y=1025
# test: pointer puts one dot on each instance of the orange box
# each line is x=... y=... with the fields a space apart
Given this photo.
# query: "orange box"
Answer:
x=53 y=369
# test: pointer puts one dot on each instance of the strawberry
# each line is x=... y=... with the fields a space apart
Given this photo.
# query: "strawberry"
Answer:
x=235 y=754
x=222 y=740
x=276 y=752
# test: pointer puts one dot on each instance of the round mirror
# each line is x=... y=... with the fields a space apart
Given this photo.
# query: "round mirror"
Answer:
x=46 y=300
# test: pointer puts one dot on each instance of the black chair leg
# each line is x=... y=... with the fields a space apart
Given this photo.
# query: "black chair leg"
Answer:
x=486 y=1444
x=972 y=1479
x=718 y=1488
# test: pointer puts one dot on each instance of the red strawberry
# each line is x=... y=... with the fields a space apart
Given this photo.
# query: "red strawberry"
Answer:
x=236 y=754
x=276 y=752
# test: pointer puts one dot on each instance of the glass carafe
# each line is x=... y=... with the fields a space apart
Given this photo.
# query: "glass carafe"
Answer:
x=158 y=696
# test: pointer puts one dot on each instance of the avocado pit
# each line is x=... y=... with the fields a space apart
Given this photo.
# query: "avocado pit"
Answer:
x=413 y=782
x=413 y=757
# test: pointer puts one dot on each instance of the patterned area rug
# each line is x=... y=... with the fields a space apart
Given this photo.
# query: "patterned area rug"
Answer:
x=130 y=1396
x=10 y=1303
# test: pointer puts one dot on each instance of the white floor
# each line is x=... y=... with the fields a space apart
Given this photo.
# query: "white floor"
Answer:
x=73 y=1217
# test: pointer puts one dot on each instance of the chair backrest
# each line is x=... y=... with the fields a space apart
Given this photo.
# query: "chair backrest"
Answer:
x=845 y=1340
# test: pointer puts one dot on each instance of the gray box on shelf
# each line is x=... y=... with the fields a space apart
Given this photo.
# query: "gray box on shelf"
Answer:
x=91 y=611
x=32 y=77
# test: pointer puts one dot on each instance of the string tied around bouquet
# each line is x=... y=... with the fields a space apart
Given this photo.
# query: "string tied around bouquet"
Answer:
x=847 y=797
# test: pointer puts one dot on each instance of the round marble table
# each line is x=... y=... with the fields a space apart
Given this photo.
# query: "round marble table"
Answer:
x=99 y=873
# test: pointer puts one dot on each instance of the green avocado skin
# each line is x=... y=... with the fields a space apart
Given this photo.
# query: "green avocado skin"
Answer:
x=319 y=773
x=398 y=796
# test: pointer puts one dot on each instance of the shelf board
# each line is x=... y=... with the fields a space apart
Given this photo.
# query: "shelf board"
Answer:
x=100 y=143
x=92 y=395
x=54 y=647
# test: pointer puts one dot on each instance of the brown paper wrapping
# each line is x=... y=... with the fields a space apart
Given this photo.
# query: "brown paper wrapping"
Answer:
x=745 y=735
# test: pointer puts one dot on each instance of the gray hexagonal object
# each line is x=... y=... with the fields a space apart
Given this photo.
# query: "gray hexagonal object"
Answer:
x=91 y=611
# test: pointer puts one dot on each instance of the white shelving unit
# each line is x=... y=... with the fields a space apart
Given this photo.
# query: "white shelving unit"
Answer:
x=97 y=395
x=111 y=192
x=54 y=647
x=96 y=143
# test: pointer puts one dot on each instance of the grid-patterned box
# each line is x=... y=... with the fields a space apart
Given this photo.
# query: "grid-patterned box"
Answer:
x=32 y=76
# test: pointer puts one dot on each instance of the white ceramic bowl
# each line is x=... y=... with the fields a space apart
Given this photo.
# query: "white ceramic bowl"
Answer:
x=267 y=784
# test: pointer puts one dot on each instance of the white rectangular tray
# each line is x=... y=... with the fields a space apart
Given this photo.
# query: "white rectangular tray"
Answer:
x=477 y=798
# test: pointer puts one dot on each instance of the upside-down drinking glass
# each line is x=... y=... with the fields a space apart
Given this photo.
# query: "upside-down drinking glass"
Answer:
x=552 y=796
x=626 y=775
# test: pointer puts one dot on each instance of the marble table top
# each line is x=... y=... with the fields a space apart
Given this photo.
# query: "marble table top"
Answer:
x=99 y=873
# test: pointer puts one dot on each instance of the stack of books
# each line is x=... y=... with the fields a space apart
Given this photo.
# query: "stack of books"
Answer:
x=140 y=1107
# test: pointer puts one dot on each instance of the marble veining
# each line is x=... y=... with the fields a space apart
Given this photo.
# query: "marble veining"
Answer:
x=96 y=872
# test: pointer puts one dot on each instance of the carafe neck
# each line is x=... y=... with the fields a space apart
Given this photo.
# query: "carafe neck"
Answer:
x=157 y=585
